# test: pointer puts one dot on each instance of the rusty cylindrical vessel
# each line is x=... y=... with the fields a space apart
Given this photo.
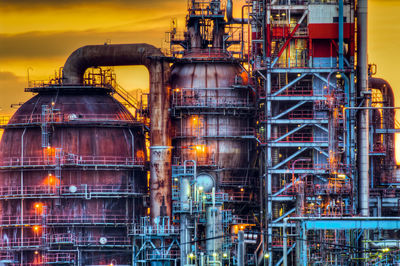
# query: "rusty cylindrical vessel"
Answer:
x=213 y=121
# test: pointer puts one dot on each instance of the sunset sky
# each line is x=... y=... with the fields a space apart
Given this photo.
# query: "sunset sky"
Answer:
x=38 y=35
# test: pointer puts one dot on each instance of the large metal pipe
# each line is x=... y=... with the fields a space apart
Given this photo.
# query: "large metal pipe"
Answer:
x=388 y=117
x=159 y=72
x=229 y=14
x=363 y=126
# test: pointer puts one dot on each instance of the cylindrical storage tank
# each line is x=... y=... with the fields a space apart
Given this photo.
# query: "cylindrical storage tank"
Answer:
x=213 y=121
x=72 y=178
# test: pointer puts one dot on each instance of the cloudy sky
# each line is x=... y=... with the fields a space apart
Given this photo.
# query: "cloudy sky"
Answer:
x=38 y=35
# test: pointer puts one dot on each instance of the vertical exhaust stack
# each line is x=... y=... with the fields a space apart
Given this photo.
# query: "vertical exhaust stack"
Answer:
x=159 y=71
x=363 y=126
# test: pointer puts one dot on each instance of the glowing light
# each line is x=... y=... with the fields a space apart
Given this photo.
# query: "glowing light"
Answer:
x=385 y=250
x=266 y=255
x=53 y=103
x=201 y=188
x=215 y=254
x=38 y=207
x=36 y=252
x=191 y=255
x=176 y=179
x=242 y=189
x=36 y=228
x=225 y=255
x=343 y=176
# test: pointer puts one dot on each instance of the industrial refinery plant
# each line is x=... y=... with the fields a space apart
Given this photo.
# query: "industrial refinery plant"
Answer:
x=265 y=139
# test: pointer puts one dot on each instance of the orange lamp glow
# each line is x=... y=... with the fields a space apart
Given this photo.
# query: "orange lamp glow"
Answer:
x=36 y=228
x=38 y=207
x=51 y=180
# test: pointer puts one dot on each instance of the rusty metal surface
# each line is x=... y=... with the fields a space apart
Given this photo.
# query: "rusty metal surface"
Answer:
x=62 y=205
x=159 y=72
x=215 y=140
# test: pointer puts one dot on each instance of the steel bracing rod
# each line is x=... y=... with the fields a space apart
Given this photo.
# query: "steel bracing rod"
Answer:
x=284 y=215
x=287 y=252
x=321 y=127
x=321 y=151
x=290 y=38
x=294 y=155
x=326 y=80
x=290 y=84
x=294 y=107
x=283 y=189
x=290 y=133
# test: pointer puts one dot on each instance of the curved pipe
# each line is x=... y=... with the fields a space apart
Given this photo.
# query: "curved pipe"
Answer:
x=388 y=116
x=229 y=14
x=159 y=72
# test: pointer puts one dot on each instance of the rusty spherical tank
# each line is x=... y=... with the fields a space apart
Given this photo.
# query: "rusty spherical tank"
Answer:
x=213 y=121
x=72 y=178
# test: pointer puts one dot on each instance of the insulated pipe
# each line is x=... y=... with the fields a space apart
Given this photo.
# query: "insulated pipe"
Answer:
x=229 y=15
x=159 y=72
x=388 y=115
x=363 y=126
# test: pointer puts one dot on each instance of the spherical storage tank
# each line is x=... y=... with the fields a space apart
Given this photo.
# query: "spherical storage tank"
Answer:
x=72 y=178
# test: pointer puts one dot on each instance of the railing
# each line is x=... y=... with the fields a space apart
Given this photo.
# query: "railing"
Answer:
x=277 y=242
x=70 y=160
x=385 y=192
x=26 y=242
x=59 y=258
x=83 y=189
x=58 y=118
x=238 y=181
x=301 y=114
x=220 y=132
x=295 y=91
x=57 y=239
x=80 y=218
x=240 y=197
x=145 y=229
x=172 y=254
x=209 y=98
x=103 y=241
x=29 y=219
x=204 y=8
x=303 y=137
x=5 y=256
x=296 y=165
x=248 y=219
x=100 y=160
x=328 y=211
x=328 y=189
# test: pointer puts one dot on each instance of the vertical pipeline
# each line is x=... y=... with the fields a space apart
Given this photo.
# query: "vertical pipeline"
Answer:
x=363 y=126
